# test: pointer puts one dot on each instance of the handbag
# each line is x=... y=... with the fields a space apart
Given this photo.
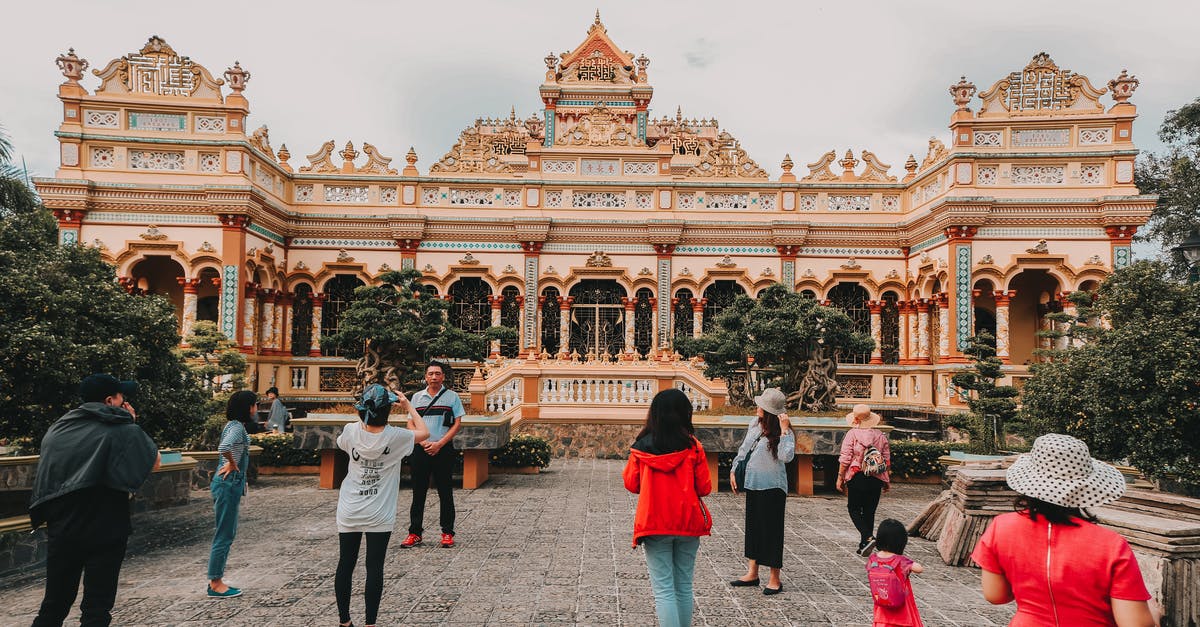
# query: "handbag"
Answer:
x=739 y=469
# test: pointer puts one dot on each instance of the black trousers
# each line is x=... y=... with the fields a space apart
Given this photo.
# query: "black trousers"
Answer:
x=764 y=526
x=441 y=468
x=348 y=545
x=100 y=567
x=862 y=497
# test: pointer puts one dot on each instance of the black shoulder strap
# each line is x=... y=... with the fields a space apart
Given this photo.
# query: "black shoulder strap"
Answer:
x=433 y=400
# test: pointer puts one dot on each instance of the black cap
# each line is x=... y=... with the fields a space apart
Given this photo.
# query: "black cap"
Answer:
x=97 y=387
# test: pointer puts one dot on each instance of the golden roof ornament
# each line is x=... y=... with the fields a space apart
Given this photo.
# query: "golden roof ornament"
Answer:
x=349 y=154
x=848 y=164
x=962 y=91
x=643 y=62
x=551 y=61
x=72 y=66
x=237 y=77
x=596 y=24
x=787 y=164
x=283 y=156
x=910 y=166
x=1122 y=87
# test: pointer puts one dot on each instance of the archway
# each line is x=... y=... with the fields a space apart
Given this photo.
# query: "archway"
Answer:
x=302 y=311
x=551 y=320
x=852 y=298
x=159 y=275
x=1035 y=290
x=208 y=295
x=643 y=314
x=339 y=293
x=469 y=306
x=597 y=318
x=889 y=328
x=984 y=307
x=510 y=316
x=682 y=314
x=718 y=297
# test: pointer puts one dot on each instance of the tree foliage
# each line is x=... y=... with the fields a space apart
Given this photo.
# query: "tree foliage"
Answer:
x=394 y=328
x=1131 y=391
x=63 y=317
x=795 y=341
x=992 y=406
x=214 y=358
x=1175 y=177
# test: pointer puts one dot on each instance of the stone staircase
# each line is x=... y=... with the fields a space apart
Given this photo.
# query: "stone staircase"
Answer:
x=914 y=427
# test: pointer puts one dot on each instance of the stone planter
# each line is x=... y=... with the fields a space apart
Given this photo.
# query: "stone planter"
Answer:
x=516 y=470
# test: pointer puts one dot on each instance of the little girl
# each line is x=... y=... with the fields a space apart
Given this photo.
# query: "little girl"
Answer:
x=888 y=570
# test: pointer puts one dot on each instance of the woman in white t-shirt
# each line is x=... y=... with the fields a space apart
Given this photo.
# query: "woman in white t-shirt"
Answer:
x=367 y=500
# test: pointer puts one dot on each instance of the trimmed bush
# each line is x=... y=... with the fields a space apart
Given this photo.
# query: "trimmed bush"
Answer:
x=523 y=450
x=918 y=458
x=278 y=450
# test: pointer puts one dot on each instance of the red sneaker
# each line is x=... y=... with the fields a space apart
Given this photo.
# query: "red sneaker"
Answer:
x=411 y=541
x=447 y=541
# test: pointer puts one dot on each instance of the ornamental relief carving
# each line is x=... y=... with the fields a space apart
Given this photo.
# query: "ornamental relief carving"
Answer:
x=484 y=146
x=599 y=127
x=725 y=158
x=321 y=161
x=1042 y=87
x=158 y=70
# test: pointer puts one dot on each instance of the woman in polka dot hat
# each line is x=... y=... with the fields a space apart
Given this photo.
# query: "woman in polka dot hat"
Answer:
x=1049 y=556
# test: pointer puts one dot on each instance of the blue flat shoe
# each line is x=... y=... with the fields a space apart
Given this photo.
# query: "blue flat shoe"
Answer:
x=227 y=594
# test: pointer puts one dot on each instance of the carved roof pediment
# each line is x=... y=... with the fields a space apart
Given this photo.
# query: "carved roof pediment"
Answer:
x=1042 y=88
x=600 y=127
x=158 y=70
x=597 y=61
x=490 y=145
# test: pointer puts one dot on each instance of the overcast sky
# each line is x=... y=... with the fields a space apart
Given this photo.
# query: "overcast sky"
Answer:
x=783 y=77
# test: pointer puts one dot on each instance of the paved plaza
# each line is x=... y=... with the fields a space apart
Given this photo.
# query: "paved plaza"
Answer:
x=548 y=549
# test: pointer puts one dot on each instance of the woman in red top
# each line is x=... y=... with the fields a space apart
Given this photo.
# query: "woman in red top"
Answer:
x=669 y=473
x=1060 y=567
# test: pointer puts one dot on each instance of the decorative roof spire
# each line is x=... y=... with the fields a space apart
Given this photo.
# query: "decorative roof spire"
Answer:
x=787 y=164
x=72 y=66
x=848 y=163
x=411 y=158
x=910 y=166
x=349 y=154
x=596 y=24
x=962 y=93
x=284 y=155
x=237 y=77
x=1122 y=86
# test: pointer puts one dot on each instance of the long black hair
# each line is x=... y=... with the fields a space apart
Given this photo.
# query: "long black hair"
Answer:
x=241 y=408
x=669 y=421
x=770 y=427
x=1056 y=514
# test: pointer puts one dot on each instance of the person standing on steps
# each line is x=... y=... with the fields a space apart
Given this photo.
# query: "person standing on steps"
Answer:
x=443 y=411
x=768 y=447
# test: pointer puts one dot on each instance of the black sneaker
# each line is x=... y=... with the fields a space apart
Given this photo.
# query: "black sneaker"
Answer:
x=865 y=549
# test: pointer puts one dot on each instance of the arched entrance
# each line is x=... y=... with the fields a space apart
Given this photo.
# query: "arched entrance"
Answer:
x=889 y=328
x=302 y=311
x=510 y=316
x=159 y=275
x=984 y=307
x=208 y=300
x=597 y=318
x=1035 y=291
x=551 y=320
x=719 y=296
x=643 y=313
x=339 y=293
x=852 y=298
x=682 y=314
x=469 y=306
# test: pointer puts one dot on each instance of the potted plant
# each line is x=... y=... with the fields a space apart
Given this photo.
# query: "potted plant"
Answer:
x=524 y=454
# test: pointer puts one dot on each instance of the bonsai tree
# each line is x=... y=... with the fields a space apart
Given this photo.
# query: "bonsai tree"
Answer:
x=992 y=406
x=795 y=341
x=213 y=356
x=393 y=329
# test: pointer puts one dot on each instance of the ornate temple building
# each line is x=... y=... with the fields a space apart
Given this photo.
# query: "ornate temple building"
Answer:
x=599 y=232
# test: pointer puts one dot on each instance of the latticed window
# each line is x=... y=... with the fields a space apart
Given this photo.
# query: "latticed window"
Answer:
x=510 y=316
x=597 y=318
x=643 y=315
x=683 y=314
x=551 y=319
x=339 y=293
x=808 y=294
x=302 y=320
x=852 y=299
x=720 y=295
x=889 y=329
x=469 y=307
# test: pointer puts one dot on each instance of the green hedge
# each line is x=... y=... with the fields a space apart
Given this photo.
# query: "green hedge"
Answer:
x=279 y=451
x=523 y=450
x=918 y=458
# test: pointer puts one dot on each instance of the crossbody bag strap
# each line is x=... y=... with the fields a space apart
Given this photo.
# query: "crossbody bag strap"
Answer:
x=432 y=401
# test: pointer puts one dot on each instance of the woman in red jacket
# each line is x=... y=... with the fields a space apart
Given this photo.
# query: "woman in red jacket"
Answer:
x=668 y=472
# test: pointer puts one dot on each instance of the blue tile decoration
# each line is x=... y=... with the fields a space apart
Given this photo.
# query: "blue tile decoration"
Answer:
x=641 y=124
x=531 y=301
x=855 y=252
x=789 y=274
x=664 y=301
x=1121 y=257
x=229 y=302
x=549 y=130
x=407 y=263
x=70 y=237
x=562 y=247
x=933 y=241
x=728 y=250
x=592 y=103
x=472 y=246
x=962 y=294
x=151 y=218
x=344 y=243
x=278 y=239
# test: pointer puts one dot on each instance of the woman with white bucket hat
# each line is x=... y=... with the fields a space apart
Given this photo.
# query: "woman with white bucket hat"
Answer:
x=1050 y=556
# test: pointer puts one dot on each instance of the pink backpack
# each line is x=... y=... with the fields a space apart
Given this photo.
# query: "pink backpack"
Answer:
x=886 y=587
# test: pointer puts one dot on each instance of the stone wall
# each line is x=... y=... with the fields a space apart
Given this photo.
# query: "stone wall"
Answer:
x=603 y=441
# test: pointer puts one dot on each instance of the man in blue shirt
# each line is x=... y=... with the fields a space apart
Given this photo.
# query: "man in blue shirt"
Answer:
x=442 y=410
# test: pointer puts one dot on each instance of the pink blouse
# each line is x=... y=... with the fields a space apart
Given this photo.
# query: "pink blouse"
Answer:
x=855 y=445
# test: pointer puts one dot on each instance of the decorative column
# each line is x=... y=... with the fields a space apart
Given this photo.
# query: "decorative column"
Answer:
x=266 y=340
x=787 y=265
x=1120 y=238
x=318 y=301
x=550 y=114
x=1068 y=308
x=923 y=331
x=531 y=307
x=943 y=301
x=408 y=252
x=564 y=326
x=662 y=308
x=189 y=307
x=284 y=322
x=70 y=221
x=496 y=302
x=1003 y=298
x=233 y=246
x=698 y=316
x=959 y=238
x=630 y=327
x=876 y=309
x=914 y=333
x=248 y=322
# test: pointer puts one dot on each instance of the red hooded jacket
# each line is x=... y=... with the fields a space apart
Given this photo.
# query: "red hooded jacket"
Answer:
x=669 y=487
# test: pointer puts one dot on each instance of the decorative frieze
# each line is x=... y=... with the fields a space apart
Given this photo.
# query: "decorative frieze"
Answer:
x=472 y=197
x=210 y=162
x=986 y=175
x=640 y=168
x=210 y=124
x=101 y=119
x=891 y=203
x=512 y=198
x=304 y=193
x=559 y=166
x=721 y=200
x=1091 y=136
x=388 y=195
x=606 y=200
x=429 y=196
x=687 y=200
x=356 y=194
x=163 y=122
x=103 y=158
x=1031 y=137
x=1092 y=174
x=808 y=202
x=156 y=160
x=643 y=200
x=766 y=202
x=1037 y=174
x=598 y=167
x=554 y=198
x=987 y=139
x=849 y=203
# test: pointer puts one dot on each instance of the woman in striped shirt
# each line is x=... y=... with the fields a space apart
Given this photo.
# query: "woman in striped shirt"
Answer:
x=228 y=486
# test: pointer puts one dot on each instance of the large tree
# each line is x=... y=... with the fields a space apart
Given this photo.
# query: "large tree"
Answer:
x=63 y=317
x=1132 y=390
x=794 y=341
x=1175 y=176
x=394 y=328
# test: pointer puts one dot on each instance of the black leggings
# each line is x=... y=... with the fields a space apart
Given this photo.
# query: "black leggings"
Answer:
x=862 y=497
x=348 y=544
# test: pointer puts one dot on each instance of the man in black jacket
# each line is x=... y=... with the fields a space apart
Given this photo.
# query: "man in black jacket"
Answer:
x=92 y=461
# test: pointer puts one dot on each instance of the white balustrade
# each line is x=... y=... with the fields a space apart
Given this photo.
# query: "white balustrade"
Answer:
x=505 y=397
x=891 y=387
x=700 y=400
x=599 y=391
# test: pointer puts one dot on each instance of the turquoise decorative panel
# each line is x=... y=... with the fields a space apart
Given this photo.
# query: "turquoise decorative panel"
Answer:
x=1122 y=256
x=229 y=302
x=549 y=141
x=962 y=294
x=69 y=237
x=278 y=239
x=789 y=274
x=531 y=301
x=641 y=125
x=407 y=263
x=157 y=122
x=664 y=301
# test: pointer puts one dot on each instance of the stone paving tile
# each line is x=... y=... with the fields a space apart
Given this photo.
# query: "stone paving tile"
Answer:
x=548 y=549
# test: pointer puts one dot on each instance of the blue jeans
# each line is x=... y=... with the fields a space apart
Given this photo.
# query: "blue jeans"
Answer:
x=672 y=561
x=227 y=498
